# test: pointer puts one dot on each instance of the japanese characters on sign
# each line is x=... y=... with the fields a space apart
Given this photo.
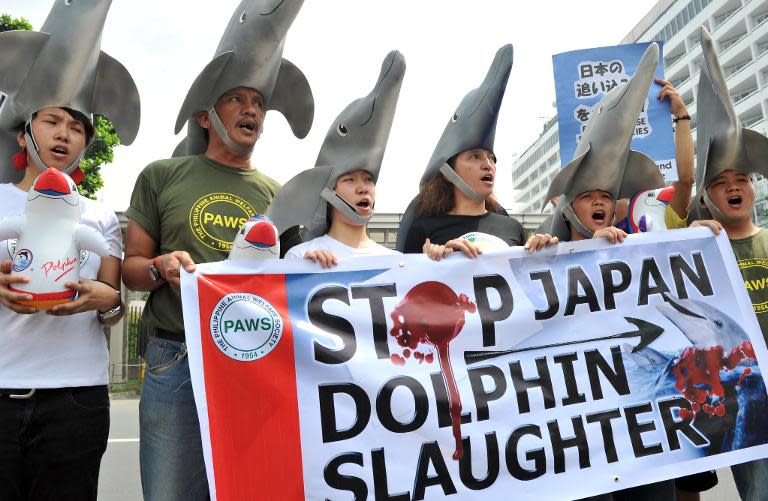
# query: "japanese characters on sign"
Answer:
x=582 y=78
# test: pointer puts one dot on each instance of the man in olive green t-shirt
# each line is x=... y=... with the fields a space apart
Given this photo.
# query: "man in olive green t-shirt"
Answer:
x=183 y=211
x=733 y=194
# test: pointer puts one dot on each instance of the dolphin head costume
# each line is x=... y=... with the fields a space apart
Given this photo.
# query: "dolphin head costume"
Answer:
x=356 y=140
x=721 y=142
x=603 y=160
x=250 y=54
x=472 y=125
x=62 y=66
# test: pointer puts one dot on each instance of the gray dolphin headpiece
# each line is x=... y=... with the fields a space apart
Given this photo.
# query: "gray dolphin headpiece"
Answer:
x=721 y=141
x=63 y=66
x=472 y=125
x=603 y=160
x=250 y=54
x=356 y=140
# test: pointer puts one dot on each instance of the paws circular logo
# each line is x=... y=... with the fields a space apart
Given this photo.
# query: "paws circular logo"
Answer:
x=754 y=271
x=245 y=327
x=215 y=218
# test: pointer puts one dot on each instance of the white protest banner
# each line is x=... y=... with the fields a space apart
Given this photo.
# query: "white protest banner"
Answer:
x=587 y=365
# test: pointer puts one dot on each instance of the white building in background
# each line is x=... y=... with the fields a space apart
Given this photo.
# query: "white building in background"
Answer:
x=739 y=29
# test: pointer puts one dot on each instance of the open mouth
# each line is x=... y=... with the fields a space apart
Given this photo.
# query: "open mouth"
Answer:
x=363 y=204
x=250 y=126
x=60 y=150
x=598 y=216
x=488 y=178
x=735 y=201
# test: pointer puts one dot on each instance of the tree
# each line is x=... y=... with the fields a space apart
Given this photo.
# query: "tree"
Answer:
x=101 y=150
x=7 y=23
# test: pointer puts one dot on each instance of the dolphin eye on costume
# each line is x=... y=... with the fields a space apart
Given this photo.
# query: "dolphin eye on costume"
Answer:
x=68 y=2
x=342 y=130
x=719 y=323
x=243 y=16
x=454 y=118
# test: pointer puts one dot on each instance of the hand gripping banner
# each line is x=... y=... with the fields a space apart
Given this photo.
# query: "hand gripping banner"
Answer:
x=588 y=365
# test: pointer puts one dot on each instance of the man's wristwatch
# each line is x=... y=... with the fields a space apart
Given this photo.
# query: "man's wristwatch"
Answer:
x=154 y=272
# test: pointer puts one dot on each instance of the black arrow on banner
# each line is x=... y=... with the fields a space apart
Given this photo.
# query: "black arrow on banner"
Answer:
x=646 y=331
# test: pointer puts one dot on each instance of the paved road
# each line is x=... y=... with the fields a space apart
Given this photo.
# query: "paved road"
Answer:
x=120 y=481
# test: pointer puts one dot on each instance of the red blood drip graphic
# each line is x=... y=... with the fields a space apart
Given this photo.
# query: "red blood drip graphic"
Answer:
x=744 y=375
x=432 y=314
x=698 y=375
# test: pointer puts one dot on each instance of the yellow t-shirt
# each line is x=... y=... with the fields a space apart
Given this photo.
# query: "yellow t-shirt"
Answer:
x=672 y=220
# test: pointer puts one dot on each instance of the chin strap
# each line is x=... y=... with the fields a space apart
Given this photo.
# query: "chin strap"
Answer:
x=72 y=170
x=335 y=200
x=714 y=210
x=221 y=131
x=457 y=181
x=571 y=217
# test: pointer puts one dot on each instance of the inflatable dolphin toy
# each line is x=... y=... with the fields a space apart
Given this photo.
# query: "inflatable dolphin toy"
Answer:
x=472 y=125
x=50 y=238
x=62 y=66
x=721 y=141
x=603 y=160
x=257 y=239
x=249 y=55
x=356 y=140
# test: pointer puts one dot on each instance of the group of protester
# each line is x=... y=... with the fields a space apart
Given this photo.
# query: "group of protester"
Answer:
x=54 y=406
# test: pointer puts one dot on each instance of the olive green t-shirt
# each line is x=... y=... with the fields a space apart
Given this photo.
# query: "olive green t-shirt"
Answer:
x=752 y=258
x=196 y=205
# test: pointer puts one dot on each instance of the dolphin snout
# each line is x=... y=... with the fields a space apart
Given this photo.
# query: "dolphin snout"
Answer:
x=636 y=90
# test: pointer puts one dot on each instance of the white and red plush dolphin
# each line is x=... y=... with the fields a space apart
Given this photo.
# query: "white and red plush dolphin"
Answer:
x=50 y=238
x=257 y=239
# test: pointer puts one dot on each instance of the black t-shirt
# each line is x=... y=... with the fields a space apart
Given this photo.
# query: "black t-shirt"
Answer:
x=440 y=229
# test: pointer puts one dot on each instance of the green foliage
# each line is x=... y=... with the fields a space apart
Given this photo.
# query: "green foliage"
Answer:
x=7 y=23
x=101 y=151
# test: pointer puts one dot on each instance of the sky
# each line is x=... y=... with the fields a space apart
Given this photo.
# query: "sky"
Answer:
x=339 y=45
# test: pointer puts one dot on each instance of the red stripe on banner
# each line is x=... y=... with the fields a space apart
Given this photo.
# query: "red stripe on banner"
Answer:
x=252 y=405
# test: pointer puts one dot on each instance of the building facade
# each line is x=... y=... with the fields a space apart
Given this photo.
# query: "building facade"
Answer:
x=739 y=29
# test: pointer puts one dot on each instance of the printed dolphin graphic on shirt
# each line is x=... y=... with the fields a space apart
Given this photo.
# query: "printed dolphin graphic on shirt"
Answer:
x=62 y=66
x=250 y=55
x=50 y=240
x=257 y=239
x=603 y=160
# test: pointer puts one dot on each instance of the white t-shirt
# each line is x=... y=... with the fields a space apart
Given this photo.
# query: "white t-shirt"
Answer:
x=339 y=249
x=43 y=351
